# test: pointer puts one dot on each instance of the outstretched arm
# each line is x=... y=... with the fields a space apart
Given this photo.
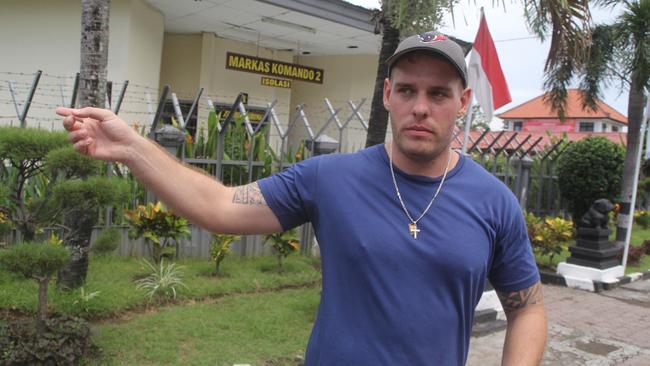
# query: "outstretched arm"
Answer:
x=526 y=332
x=206 y=202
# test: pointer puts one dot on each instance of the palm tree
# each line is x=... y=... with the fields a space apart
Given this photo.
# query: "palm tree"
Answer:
x=394 y=18
x=92 y=93
x=621 y=52
x=94 y=53
x=567 y=21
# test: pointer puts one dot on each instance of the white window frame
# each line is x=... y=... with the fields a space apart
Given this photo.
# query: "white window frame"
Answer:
x=581 y=123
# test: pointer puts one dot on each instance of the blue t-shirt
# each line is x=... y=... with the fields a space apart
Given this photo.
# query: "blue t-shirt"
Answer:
x=387 y=298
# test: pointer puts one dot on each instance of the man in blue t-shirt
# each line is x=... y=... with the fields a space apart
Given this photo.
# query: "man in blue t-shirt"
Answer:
x=409 y=231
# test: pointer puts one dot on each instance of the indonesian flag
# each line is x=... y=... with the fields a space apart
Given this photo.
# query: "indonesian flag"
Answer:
x=485 y=75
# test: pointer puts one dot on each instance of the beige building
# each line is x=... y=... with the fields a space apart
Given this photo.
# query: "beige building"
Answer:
x=289 y=53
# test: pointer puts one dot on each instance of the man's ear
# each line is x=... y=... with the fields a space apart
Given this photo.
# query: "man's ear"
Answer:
x=387 y=94
x=465 y=97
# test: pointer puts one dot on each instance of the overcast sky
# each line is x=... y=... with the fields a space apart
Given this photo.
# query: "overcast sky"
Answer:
x=521 y=54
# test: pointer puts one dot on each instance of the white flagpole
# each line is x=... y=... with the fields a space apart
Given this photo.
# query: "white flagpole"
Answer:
x=468 y=122
x=647 y=142
x=635 y=185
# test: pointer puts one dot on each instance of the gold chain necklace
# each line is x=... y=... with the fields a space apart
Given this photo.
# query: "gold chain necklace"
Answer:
x=413 y=225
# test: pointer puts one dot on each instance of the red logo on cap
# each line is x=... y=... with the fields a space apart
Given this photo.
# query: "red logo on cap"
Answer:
x=430 y=37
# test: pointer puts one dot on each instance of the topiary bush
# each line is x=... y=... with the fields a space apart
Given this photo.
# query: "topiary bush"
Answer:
x=79 y=201
x=107 y=241
x=26 y=189
x=590 y=169
x=62 y=341
x=38 y=261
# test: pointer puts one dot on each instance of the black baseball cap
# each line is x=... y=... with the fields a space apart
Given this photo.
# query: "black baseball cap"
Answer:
x=436 y=43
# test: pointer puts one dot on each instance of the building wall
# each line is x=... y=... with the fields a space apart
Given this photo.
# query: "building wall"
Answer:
x=181 y=63
x=45 y=35
x=346 y=78
x=569 y=125
x=193 y=60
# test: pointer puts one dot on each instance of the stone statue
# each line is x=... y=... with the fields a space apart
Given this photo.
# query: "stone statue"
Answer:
x=598 y=215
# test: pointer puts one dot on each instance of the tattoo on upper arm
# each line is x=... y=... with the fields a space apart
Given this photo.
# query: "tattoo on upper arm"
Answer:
x=512 y=301
x=249 y=194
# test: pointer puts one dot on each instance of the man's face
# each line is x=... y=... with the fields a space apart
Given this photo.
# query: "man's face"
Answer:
x=424 y=97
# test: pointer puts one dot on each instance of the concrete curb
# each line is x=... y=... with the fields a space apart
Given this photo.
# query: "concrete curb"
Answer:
x=590 y=285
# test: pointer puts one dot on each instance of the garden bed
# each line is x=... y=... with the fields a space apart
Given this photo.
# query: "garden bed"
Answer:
x=114 y=279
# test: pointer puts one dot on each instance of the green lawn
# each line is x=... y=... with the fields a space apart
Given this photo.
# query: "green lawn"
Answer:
x=639 y=235
x=269 y=328
x=114 y=278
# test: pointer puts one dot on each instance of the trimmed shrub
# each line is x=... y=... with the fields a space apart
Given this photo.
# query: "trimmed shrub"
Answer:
x=590 y=169
x=107 y=241
x=29 y=144
x=71 y=164
x=63 y=341
x=36 y=261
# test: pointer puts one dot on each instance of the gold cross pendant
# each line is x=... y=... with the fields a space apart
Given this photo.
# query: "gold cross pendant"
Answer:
x=413 y=230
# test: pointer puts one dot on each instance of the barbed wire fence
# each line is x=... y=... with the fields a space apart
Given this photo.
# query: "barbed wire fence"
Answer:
x=524 y=163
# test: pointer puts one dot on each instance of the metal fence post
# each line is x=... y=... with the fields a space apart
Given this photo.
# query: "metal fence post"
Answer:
x=523 y=176
x=30 y=97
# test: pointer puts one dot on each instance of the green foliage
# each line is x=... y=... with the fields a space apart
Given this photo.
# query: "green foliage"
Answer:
x=642 y=218
x=39 y=262
x=22 y=151
x=33 y=260
x=590 y=169
x=548 y=236
x=266 y=328
x=28 y=145
x=114 y=277
x=220 y=248
x=283 y=243
x=646 y=168
x=205 y=145
x=5 y=225
x=107 y=241
x=163 y=280
x=69 y=163
x=84 y=300
x=63 y=341
x=156 y=225
x=92 y=192
x=410 y=16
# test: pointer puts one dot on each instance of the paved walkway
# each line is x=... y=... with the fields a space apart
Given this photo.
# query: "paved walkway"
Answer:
x=607 y=328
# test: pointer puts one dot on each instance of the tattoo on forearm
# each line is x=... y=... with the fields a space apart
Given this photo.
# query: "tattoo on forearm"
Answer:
x=516 y=300
x=249 y=194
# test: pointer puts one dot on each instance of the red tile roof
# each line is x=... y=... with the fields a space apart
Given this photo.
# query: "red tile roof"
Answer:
x=536 y=108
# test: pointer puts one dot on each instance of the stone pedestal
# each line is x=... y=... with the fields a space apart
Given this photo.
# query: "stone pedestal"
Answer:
x=582 y=277
x=593 y=258
x=594 y=249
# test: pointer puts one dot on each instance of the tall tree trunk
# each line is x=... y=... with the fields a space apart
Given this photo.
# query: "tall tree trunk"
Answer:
x=92 y=92
x=94 y=53
x=378 y=114
x=634 y=118
x=81 y=221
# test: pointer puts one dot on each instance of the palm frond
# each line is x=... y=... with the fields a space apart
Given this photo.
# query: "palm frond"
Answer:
x=596 y=71
x=570 y=39
x=634 y=32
